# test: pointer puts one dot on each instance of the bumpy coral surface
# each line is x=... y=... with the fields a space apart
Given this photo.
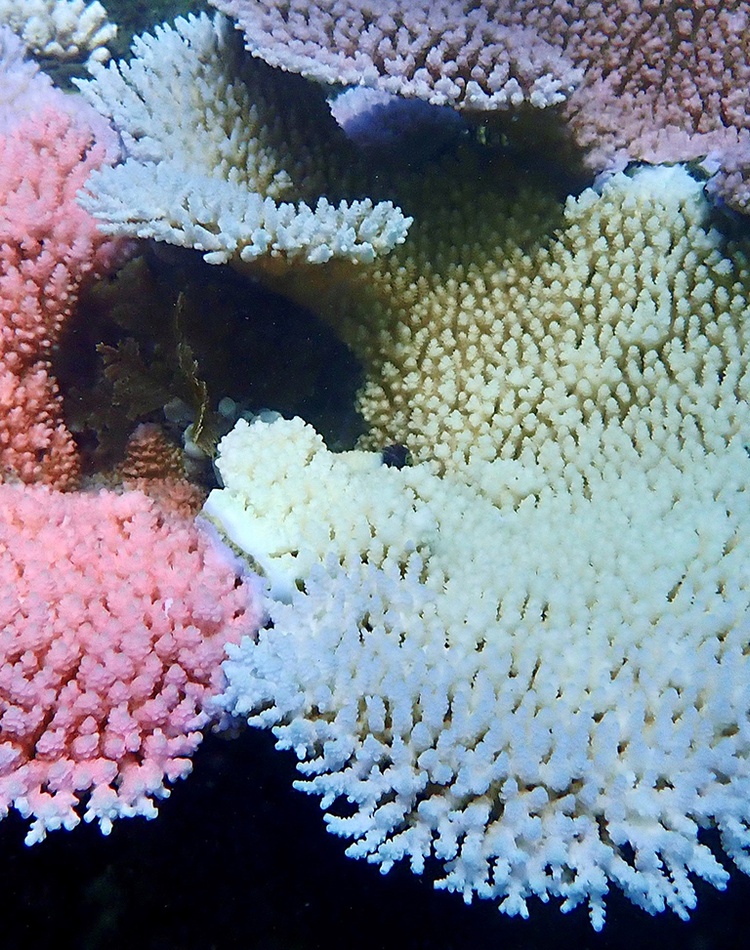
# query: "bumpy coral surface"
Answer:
x=224 y=171
x=507 y=322
x=524 y=656
x=449 y=52
x=113 y=620
x=664 y=81
x=61 y=29
x=49 y=249
x=522 y=659
x=154 y=465
x=539 y=679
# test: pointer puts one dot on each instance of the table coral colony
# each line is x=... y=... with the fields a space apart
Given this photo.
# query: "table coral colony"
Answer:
x=521 y=659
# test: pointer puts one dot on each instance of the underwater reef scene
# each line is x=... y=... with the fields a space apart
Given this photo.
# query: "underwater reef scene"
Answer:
x=374 y=474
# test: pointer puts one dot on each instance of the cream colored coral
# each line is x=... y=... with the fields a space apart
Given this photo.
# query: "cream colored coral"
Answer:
x=506 y=321
x=267 y=511
x=537 y=679
x=226 y=156
x=62 y=29
x=524 y=658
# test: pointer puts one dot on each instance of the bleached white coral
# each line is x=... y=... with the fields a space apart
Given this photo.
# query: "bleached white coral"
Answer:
x=61 y=29
x=528 y=660
x=547 y=695
x=265 y=510
x=220 y=152
x=23 y=87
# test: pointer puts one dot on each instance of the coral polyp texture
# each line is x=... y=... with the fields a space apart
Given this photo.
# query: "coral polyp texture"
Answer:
x=154 y=465
x=509 y=321
x=541 y=685
x=660 y=82
x=50 y=250
x=113 y=621
x=245 y=166
x=60 y=29
x=519 y=661
x=450 y=52
x=525 y=655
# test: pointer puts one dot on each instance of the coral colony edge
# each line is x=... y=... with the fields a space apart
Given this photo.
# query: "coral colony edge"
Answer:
x=505 y=628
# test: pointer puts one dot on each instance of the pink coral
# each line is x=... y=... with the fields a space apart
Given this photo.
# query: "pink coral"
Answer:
x=24 y=89
x=113 y=621
x=448 y=52
x=49 y=249
x=154 y=465
x=663 y=82
x=656 y=80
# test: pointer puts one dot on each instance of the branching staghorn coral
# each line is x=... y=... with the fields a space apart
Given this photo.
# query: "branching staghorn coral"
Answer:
x=50 y=251
x=233 y=162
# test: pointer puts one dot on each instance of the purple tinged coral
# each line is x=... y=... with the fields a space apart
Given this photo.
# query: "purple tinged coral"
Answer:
x=450 y=52
x=380 y=121
x=658 y=82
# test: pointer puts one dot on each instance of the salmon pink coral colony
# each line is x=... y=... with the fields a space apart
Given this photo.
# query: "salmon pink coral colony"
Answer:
x=49 y=249
x=108 y=658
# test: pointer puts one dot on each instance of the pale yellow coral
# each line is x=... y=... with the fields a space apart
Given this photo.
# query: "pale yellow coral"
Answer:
x=507 y=320
x=524 y=656
x=541 y=683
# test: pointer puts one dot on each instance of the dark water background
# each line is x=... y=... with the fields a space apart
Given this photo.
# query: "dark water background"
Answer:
x=238 y=859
